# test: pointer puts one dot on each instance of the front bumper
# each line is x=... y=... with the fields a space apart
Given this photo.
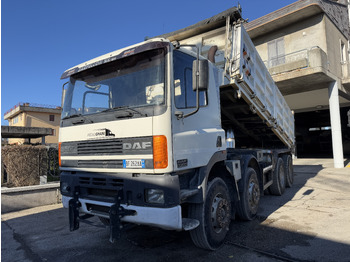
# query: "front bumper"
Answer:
x=165 y=218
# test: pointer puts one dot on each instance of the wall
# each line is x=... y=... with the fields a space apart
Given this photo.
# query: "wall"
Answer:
x=19 y=198
x=21 y=122
x=333 y=48
x=37 y=119
x=304 y=35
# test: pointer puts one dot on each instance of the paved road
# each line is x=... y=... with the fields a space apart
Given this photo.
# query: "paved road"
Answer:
x=41 y=234
x=310 y=222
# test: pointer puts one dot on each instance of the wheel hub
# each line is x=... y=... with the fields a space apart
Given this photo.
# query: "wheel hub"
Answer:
x=220 y=214
x=254 y=196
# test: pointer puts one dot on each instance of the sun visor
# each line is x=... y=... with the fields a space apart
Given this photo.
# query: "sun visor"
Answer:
x=114 y=56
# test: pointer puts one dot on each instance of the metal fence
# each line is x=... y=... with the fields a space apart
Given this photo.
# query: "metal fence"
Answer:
x=53 y=171
x=289 y=58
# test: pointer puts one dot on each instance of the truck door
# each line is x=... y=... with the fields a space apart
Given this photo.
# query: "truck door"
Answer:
x=197 y=137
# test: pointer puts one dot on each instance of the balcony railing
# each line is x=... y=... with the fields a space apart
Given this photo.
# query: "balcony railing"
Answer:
x=312 y=57
x=31 y=105
x=288 y=58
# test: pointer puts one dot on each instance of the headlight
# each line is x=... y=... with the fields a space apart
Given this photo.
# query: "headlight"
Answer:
x=155 y=196
x=65 y=188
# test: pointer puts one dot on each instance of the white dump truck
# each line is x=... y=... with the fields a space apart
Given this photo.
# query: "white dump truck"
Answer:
x=185 y=131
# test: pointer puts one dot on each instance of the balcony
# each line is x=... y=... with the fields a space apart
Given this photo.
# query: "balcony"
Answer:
x=300 y=71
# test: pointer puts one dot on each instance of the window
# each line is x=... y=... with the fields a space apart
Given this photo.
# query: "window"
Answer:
x=52 y=118
x=136 y=81
x=185 y=97
x=342 y=52
x=276 y=52
x=15 y=120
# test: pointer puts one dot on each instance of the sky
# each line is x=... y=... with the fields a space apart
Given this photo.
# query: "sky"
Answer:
x=40 y=39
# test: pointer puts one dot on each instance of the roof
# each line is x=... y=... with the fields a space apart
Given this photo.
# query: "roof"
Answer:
x=295 y=12
x=29 y=107
x=211 y=23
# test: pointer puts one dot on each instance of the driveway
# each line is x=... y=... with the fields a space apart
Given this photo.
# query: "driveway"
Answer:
x=310 y=222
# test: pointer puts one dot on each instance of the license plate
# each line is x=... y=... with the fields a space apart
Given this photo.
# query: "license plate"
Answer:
x=140 y=163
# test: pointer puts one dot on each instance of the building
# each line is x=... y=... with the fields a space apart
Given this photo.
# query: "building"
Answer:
x=305 y=46
x=33 y=115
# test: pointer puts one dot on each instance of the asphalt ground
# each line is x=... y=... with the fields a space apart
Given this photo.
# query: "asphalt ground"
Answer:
x=310 y=222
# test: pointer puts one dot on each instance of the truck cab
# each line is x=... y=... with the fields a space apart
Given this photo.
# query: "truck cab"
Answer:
x=121 y=133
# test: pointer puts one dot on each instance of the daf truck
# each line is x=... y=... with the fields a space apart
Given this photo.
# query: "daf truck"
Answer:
x=185 y=131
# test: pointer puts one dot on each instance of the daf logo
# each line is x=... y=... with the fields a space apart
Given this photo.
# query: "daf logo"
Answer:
x=137 y=145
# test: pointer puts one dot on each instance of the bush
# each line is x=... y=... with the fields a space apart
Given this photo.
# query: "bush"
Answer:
x=24 y=164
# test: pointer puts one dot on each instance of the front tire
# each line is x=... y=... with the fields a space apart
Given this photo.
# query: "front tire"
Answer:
x=214 y=216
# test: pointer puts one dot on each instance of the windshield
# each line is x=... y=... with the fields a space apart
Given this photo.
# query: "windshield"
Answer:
x=135 y=81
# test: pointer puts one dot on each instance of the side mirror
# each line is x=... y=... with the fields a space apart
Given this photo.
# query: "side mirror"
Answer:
x=200 y=75
x=63 y=93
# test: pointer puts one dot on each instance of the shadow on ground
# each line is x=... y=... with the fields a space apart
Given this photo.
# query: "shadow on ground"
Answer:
x=45 y=237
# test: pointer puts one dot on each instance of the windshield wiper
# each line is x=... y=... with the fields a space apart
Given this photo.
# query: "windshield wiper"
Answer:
x=121 y=108
x=71 y=116
x=78 y=121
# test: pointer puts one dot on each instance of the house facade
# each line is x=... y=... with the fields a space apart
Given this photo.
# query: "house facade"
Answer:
x=32 y=115
x=305 y=46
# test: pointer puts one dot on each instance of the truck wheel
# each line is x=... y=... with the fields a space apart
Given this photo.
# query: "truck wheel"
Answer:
x=279 y=179
x=250 y=196
x=214 y=216
x=288 y=170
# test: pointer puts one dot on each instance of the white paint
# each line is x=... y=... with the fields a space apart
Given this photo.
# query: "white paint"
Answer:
x=120 y=128
x=336 y=125
x=195 y=137
x=165 y=218
x=107 y=157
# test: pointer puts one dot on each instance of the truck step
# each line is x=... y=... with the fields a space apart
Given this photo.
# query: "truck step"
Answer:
x=189 y=224
x=186 y=193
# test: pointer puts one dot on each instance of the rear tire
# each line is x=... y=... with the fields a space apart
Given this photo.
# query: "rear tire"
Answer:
x=214 y=216
x=250 y=196
x=288 y=169
x=279 y=179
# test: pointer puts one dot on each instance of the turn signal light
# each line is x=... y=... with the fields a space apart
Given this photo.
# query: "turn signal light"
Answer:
x=160 y=152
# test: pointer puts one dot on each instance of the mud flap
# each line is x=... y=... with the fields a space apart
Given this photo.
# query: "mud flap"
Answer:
x=74 y=206
x=116 y=212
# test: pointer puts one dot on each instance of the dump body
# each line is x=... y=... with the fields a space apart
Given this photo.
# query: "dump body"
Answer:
x=264 y=118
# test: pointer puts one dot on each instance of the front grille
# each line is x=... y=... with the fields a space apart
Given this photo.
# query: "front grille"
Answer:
x=120 y=146
x=100 y=147
x=100 y=182
x=101 y=163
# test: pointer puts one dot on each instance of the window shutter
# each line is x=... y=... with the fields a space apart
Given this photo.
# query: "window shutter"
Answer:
x=280 y=51
x=272 y=54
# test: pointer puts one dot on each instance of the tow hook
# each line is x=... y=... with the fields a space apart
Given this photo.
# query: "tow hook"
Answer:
x=116 y=212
